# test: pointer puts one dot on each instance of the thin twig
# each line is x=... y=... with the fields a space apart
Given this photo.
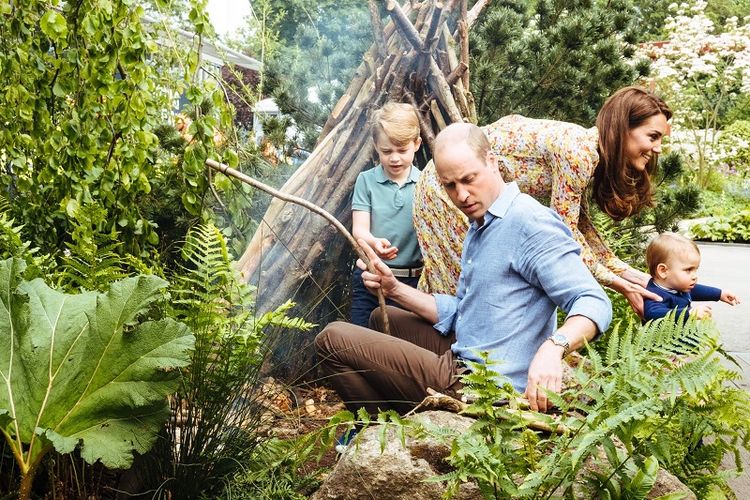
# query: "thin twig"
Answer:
x=226 y=170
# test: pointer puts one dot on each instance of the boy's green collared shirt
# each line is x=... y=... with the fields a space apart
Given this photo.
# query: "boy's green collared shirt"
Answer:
x=390 y=209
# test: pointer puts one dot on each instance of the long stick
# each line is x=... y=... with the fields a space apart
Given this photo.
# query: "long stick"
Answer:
x=227 y=170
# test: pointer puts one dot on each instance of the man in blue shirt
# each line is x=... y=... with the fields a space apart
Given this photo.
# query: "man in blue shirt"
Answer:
x=519 y=264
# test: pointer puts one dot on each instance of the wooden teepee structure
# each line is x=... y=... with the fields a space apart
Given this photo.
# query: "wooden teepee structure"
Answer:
x=297 y=255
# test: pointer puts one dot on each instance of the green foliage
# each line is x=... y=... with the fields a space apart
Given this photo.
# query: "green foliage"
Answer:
x=85 y=85
x=645 y=397
x=721 y=204
x=13 y=243
x=321 y=45
x=81 y=371
x=730 y=228
x=555 y=59
x=675 y=199
x=219 y=407
x=272 y=472
x=652 y=15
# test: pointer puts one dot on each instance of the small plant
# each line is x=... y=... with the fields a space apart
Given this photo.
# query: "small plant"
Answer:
x=82 y=371
x=730 y=228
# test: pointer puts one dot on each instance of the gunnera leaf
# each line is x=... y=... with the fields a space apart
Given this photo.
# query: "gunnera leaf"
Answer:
x=80 y=370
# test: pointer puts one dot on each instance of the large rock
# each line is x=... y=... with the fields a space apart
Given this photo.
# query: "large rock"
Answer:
x=399 y=472
x=363 y=472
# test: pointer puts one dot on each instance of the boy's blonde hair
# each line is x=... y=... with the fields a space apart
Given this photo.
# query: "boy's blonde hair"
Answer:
x=397 y=121
x=665 y=245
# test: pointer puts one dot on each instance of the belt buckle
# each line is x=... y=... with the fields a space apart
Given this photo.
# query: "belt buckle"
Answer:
x=407 y=272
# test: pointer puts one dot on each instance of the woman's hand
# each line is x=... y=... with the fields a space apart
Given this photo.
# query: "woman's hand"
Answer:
x=634 y=293
x=636 y=276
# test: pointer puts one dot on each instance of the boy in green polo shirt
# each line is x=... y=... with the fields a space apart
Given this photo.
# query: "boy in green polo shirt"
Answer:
x=382 y=203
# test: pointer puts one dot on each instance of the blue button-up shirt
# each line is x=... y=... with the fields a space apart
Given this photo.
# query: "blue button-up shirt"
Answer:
x=517 y=268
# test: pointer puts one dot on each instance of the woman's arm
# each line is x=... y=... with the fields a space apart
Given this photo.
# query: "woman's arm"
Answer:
x=573 y=160
x=612 y=272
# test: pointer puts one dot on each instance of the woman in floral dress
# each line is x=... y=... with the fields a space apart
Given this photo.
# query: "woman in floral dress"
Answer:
x=568 y=165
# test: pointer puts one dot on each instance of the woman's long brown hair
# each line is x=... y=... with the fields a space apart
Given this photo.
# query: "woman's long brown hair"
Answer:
x=619 y=189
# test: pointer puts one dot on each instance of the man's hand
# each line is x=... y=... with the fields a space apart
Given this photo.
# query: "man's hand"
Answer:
x=383 y=277
x=545 y=372
x=730 y=298
x=384 y=249
x=701 y=311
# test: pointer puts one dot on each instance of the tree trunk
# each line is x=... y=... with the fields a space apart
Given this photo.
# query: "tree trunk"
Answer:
x=294 y=254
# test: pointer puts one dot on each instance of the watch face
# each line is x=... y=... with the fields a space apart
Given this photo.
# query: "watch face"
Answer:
x=559 y=337
x=561 y=340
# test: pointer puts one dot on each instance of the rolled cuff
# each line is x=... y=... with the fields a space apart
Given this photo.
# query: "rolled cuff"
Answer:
x=598 y=310
x=447 y=306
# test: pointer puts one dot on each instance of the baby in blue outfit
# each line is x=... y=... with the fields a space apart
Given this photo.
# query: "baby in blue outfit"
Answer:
x=673 y=262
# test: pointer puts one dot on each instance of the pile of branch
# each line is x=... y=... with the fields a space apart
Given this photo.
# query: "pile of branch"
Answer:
x=415 y=58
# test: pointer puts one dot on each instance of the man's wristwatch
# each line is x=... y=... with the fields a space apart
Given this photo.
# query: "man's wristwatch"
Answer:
x=561 y=340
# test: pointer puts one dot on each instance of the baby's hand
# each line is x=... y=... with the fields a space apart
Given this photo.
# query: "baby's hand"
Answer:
x=384 y=249
x=702 y=311
x=729 y=297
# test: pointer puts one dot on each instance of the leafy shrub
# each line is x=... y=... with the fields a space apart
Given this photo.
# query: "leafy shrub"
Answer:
x=729 y=228
x=726 y=202
x=272 y=472
x=734 y=143
x=81 y=372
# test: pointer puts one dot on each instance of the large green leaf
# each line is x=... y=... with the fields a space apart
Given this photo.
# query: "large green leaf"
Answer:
x=77 y=370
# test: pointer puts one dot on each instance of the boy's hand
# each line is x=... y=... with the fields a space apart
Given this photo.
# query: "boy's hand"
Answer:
x=384 y=250
x=702 y=311
x=729 y=297
x=383 y=277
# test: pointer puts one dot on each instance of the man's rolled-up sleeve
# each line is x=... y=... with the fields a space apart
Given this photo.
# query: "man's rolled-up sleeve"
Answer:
x=551 y=259
x=447 y=306
x=595 y=307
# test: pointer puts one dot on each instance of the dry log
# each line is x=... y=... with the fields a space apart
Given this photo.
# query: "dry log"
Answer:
x=407 y=29
x=430 y=40
x=463 y=39
x=534 y=420
x=377 y=30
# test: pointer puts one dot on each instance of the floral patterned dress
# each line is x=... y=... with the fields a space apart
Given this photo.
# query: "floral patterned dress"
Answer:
x=551 y=161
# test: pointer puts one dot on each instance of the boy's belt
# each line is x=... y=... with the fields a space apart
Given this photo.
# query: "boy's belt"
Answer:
x=407 y=272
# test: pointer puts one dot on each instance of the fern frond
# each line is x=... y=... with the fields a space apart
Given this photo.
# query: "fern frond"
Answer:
x=93 y=266
x=695 y=376
x=595 y=434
